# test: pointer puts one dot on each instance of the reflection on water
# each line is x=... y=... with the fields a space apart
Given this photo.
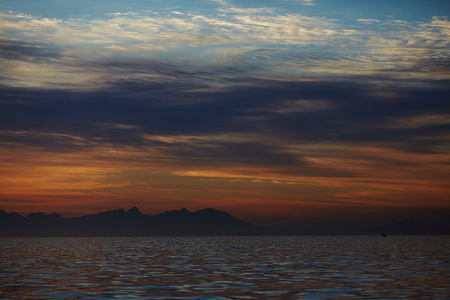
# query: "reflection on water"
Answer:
x=225 y=267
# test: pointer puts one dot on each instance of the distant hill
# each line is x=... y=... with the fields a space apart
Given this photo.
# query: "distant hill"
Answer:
x=126 y=223
x=407 y=227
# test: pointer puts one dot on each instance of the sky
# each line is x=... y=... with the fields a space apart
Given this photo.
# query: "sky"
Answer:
x=274 y=111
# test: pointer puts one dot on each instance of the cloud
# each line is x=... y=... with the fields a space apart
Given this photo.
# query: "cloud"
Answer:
x=368 y=21
x=222 y=2
x=299 y=106
x=127 y=113
x=302 y=2
x=240 y=10
x=288 y=46
x=423 y=121
x=129 y=13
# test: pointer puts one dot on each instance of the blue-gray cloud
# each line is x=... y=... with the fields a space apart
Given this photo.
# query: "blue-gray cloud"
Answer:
x=126 y=112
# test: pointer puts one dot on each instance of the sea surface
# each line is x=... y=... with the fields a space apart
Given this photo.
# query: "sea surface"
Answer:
x=338 y=267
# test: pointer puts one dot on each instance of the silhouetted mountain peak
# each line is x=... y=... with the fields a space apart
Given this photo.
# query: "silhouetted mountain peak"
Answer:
x=36 y=215
x=130 y=223
x=56 y=216
x=134 y=211
x=11 y=217
x=175 y=213
x=11 y=214
x=41 y=217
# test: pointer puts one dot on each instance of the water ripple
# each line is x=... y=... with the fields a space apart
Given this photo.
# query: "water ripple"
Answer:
x=225 y=268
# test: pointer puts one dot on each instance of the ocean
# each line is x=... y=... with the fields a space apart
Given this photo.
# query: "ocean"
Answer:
x=286 y=267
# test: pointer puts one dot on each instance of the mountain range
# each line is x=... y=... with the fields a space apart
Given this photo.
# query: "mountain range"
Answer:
x=126 y=223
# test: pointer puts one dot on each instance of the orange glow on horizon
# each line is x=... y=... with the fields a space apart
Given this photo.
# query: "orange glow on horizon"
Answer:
x=52 y=182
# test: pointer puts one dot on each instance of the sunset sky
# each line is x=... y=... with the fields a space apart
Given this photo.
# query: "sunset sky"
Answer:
x=265 y=109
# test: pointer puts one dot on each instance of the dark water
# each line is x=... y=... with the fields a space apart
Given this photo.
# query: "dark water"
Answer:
x=226 y=268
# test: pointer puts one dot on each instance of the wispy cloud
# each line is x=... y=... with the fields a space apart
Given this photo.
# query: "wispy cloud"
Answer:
x=302 y=2
x=409 y=46
x=222 y=2
x=368 y=21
